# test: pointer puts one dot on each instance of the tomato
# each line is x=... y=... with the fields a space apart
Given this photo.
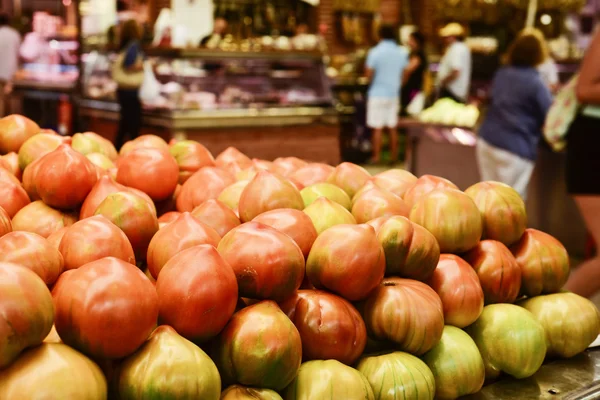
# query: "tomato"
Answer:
x=183 y=233
x=106 y=308
x=411 y=251
x=33 y=252
x=216 y=215
x=190 y=156
x=350 y=177
x=456 y=364
x=286 y=166
x=377 y=202
x=268 y=264
x=571 y=322
x=11 y=161
x=406 y=312
x=207 y=183
x=458 y=286
x=424 y=185
x=259 y=347
x=510 y=340
x=168 y=366
x=293 y=223
x=351 y=274
x=325 y=214
x=38 y=146
x=153 y=171
x=232 y=160
x=502 y=210
x=63 y=178
x=5 y=223
x=26 y=309
x=266 y=192
x=197 y=293
x=397 y=181
x=12 y=195
x=543 y=261
x=230 y=196
x=167 y=218
x=39 y=218
x=92 y=239
x=91 y=143
x=311 y=193
x=312 y=173
x=329 y=380
x=144 y=141
x=238 y=392
x=398 y=375
x=452 y=217
x=498 y=271
x=134 y=216
x=14 y=131
x=330 y=327
x=53 y=371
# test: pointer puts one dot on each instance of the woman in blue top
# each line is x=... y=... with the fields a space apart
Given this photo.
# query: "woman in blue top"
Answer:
x=509 y=136
x=130 y=119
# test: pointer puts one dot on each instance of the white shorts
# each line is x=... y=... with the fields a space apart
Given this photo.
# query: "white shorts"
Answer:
x=382 y=112
x=503 y=166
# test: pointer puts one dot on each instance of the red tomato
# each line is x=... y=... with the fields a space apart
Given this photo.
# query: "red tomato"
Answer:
x=26 y=310
x=14 y=131
x=64 y=178
x=424 y=185
x=286 y=166
x=183 y=233
x=33 y=252
x=12 y=195
x=144 y=141
x=268 y=264
x=106 y=308
x=39 y=218
x=153 y=171
x=167 y=218
x=5 y=224
x=190 y=156
x=293 y=223
x=330 y=327
x=352 y=274
x=207 y=183
x=134 y=216
x=92 y=239
x=197 y=293
x=268 y=191
x=406 y=312
x=312 y=173
x=458 y=286
x=216 y=215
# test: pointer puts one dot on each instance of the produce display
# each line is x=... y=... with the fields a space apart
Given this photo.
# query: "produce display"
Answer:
x=162 y=272
x=449 y=112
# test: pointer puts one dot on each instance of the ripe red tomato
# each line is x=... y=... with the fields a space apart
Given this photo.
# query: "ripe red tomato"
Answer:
x=106 y=308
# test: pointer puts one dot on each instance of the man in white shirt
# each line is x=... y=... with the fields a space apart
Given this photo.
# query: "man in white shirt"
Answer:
x=10 y=41
x=454 y=75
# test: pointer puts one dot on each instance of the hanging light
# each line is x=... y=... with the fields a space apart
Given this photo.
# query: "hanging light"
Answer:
x=545 y=19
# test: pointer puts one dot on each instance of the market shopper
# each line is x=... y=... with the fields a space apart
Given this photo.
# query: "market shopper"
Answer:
x=454 y=75
x=128 y=73
x=583 y=166
x=510 y=133
x=385 y=65
x=10 y=42
x=416 y=72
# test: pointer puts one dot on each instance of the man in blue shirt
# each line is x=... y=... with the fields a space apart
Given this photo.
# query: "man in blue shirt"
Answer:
x=385 y=65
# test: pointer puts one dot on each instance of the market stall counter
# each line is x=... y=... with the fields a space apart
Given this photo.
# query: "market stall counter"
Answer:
x=449 y=151
x=266 y=104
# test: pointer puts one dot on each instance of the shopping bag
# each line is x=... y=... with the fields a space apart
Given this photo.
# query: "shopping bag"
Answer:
x=126 y=79
x=563 y=111
x=150 y=89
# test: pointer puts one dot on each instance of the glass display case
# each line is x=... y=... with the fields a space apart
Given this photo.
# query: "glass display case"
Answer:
x=267 y=104
x=215 y=80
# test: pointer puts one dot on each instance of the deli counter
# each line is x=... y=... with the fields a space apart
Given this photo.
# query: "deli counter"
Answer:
x=268 y=104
